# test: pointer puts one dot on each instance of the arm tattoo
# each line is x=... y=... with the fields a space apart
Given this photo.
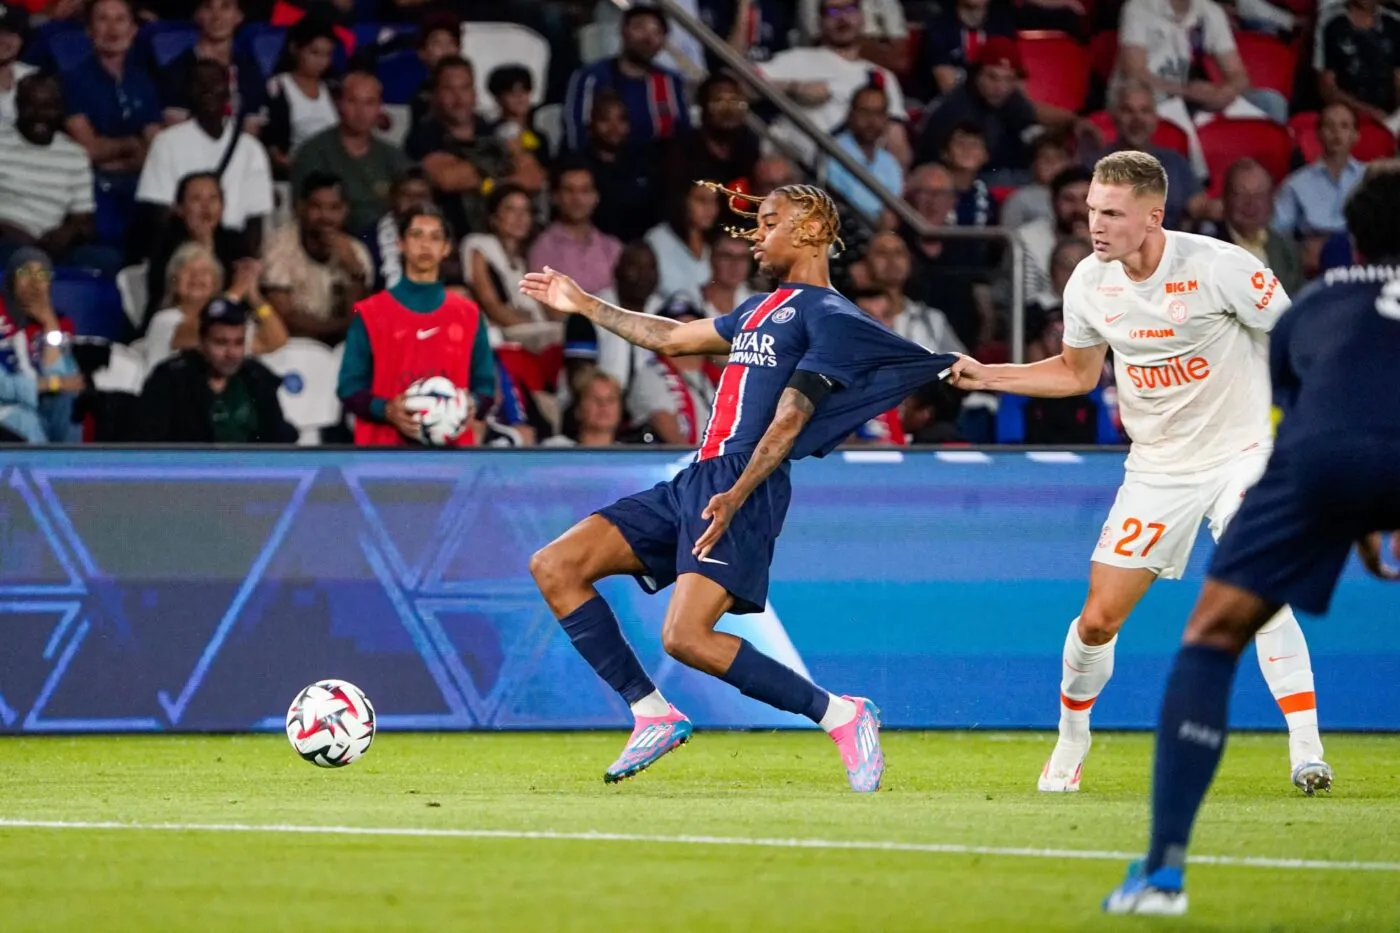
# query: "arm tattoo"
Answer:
x=645 y=330
x=794 y=411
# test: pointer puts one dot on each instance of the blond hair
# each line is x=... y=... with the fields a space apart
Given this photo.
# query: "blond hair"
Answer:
x=812 y=202
x=186 y=254
x=1137 y=170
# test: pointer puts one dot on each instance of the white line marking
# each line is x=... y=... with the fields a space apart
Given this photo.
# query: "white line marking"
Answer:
x=963 y=456
x=872 y=456
x=754 y=842
x=1053 y=456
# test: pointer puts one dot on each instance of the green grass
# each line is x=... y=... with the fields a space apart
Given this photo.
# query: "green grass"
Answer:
x=967 y=789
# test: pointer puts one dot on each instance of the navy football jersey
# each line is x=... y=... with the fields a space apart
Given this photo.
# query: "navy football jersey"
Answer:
x=1335 y=353
x=815 y=329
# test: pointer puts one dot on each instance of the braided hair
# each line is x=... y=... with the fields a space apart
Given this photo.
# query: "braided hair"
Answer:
x=813 y=202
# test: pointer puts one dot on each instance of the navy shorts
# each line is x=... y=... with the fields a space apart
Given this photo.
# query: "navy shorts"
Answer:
x=663 y=524
x=1295 y=529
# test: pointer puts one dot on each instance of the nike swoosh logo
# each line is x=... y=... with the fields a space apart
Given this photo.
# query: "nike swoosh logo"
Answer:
x=711 y=560
x=425 y=334
x=1113 y=318
x=1283 y=657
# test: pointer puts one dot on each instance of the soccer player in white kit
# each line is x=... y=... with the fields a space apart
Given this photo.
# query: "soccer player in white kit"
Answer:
x=1187 y=318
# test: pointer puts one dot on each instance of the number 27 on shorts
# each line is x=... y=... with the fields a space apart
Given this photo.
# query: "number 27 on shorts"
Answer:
x=1134 y=530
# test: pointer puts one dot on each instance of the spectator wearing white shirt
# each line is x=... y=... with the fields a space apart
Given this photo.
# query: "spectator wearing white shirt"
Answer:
x=494 y=264
x=14 y=29
x=681 y=242
x=1162 y=41
x=202 y=144
x=673 y=395
x=299 y=101
x=822 y=80
x=1308 y=205
x=885 y=34
x=1068 y=194
x=889 y=264
x=731 y=263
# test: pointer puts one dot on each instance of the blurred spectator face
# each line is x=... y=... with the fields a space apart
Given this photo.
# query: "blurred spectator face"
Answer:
x=201 y=205
x=730 y=261
x=887 y=258
x=1135 y=115
x=877 y=306
x=725 y=109
x=973 y=6
x=209 y=91
x=38 y=109
x=869 y=117
x=1052 y=338
x=424 y=244
x=1067 y=256
x=218 y=20
x=439 y=43
x=966 y=152
x=410 y=193
x=636 y=273
x=1336 y=130
x=322 y=215
x=642 y=39
x=576 y=198
x=315 y=57
x=32 y=285
x=1048 y=162
x=609 y=125
x=196 y=281
x=701 y=209
x=1072 y=211
x=361 y=101
x=930 y=191
x=770 y=173
x=112 y=28
x=600 y=405
x=515 y=103
x=224 y=347
x=1248 y=200
x=454 y=98
x=11 y=43
x=842 y=22
x=996 y=84
x=512 y=218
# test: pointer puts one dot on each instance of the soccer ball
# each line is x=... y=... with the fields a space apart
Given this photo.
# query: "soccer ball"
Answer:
x=330 y=723
x=440 y=407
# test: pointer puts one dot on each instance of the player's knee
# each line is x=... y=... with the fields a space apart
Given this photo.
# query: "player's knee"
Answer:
x=683 y=645
x=554 y=568
x=1098 y=624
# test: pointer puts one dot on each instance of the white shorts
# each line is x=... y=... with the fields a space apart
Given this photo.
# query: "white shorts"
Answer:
x=1154 y=520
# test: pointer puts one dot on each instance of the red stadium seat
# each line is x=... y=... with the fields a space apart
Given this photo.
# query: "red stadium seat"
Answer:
x=1376 y=141
x=1167 y=135
x=1270 y=63
x=1225 y=141
x=1103 y=53
x=1057 y=69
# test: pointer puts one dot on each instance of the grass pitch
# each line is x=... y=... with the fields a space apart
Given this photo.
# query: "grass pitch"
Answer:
x=971 y=794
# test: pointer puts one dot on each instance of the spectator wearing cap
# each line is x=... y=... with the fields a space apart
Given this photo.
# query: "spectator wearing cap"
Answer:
x=313 y=271
x=410 y=190
x=46 y=189
x=213 y=393
x=993 y=100
x=1069 y=192
x=202 y=144
x=462 y=161
x=1308 y=205
x=655 y=97
x=352 y=152
x=196 y=277
x=884 y=30
x=952 y=39
x=299 y=99
x=1361 y=61
x=756 y=29
x=682 y=241
x=863 y=140
x=630 y=190
x=1248 y=201
x=674 y=395
x=218 y=22
x=511 y=86
x=572 y=244
x=39 y=378
x=731 y=264
x=14 y=30
x=823 y=79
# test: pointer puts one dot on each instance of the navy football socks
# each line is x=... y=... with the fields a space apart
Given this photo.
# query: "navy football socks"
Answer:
x=768 y=681
x=1191 y=735
x=596 y=634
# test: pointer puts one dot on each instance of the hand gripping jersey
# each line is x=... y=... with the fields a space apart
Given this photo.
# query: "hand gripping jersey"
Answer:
x=1190 y=349
x=810 y=328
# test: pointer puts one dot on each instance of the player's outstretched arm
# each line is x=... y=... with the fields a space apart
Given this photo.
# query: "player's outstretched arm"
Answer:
x=662 y=335
x=1074 y=372
x=793 y=412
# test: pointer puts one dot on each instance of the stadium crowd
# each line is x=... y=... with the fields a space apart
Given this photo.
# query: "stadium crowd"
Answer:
x=194 y=194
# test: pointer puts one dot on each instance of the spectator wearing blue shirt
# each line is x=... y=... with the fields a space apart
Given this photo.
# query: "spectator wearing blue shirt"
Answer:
x=756 y=29
x=865 y=128
x=1309 y=203
x=655 y=97
x=218 y=22
x=113 y=112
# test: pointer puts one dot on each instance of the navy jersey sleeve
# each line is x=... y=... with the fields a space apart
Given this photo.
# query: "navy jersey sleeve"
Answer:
x=727 y=325
x=836 y=343
x=1281 y=372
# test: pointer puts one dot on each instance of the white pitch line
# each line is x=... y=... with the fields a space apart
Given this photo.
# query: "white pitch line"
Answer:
x=936 y=848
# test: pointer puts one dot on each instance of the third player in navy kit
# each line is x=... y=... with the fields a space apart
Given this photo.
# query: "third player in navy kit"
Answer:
x=1331 y=482
x=806 y=368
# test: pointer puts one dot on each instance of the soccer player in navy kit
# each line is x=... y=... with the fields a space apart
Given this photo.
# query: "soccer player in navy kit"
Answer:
x=806 y=368
x=1330 y=483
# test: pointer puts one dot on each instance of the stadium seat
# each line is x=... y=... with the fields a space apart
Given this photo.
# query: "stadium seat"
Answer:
x=592 y=43
x=309 y=371
x=1270 y=63
x=125 y=371
x=90 y=301
x=265 y=44
x=1103 y=54
x=549 y=120
x=400 y=118
x=401 y=73
x=68 y=46
x=490 y=45
x=1166 y=136
x=1224 y=141
x=168 y=40
x=1057 y=69
x=1376 y=142
x=131 y=284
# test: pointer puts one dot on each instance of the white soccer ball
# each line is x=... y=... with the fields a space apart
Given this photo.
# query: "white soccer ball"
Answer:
x=330 y=723
x=440 y=407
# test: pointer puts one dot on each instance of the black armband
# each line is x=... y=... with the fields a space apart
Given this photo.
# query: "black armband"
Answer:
x=813 y=385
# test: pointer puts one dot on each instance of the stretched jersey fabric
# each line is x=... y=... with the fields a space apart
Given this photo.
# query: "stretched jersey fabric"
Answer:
x=813 y=329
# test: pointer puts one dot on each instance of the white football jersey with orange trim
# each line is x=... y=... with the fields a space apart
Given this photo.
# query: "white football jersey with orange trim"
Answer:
x=1190 y=348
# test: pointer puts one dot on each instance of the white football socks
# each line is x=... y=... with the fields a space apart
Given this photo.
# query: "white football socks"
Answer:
x=1287 y=669
x=1086 y=671
x=839 y=712
x=652 y=705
